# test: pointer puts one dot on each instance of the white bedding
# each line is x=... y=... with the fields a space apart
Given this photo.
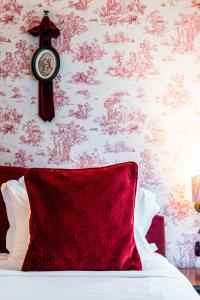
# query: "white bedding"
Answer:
x=159 y=280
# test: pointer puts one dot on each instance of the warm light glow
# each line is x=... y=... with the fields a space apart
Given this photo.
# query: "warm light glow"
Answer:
x=196 y=188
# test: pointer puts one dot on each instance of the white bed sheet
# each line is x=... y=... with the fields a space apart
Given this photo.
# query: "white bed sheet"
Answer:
x=159 y=280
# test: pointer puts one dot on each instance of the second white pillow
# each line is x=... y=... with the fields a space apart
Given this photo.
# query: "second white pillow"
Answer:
x=145 y=210
x=18 y=211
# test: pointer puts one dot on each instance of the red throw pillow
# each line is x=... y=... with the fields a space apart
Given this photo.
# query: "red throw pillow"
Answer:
x=82 y=219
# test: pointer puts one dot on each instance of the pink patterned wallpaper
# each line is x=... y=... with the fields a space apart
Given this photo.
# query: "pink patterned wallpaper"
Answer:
x=128 y=89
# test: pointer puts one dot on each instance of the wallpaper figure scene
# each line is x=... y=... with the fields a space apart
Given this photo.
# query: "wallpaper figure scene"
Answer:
x=127 y=90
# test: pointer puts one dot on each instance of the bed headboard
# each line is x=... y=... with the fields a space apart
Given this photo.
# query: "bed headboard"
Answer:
x=8 y=173
x=156 y=234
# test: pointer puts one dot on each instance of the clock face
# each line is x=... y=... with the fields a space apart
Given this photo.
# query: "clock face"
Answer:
x=45 y=64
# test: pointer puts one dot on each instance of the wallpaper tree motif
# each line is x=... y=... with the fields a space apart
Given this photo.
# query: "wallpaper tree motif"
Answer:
x=128 y=89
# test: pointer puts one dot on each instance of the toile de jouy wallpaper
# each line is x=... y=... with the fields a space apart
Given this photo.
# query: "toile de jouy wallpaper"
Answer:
x=128 y=89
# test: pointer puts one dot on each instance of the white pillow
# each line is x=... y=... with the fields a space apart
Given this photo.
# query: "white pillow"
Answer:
x=145 y=210
x=18 y=211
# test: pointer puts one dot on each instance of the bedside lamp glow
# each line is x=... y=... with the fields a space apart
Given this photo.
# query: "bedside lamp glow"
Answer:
x=196 y=192
x=196 y=200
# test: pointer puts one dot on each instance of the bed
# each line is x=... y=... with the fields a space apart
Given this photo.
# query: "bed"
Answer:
x=158 y=279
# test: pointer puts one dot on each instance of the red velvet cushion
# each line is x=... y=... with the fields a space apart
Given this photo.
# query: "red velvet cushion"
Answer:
x=82 y=219
x=157 y=236
x=6 y=173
